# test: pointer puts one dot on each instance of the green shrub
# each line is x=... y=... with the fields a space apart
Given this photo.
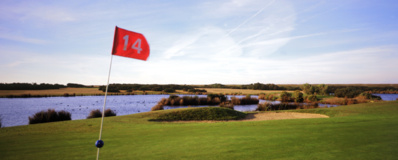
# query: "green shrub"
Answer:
x=109 y=113
x=286 y=97
x=298 y=96
x=349 y=92
x=97 y=113
x=49 y=116
x=222 y=97
x=205 y=113
x=311 y=98
x=169 y=90
x=370 y=96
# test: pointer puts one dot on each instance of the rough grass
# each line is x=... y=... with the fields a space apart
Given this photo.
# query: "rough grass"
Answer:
x=203 y=113
x=361 y=131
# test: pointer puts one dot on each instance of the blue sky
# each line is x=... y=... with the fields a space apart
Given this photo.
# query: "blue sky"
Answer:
x=201 y=42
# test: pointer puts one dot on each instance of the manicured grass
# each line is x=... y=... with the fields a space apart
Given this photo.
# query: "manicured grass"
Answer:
x=362 y=131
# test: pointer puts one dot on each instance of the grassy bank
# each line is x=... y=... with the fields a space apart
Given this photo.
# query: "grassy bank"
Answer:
x=362 y=131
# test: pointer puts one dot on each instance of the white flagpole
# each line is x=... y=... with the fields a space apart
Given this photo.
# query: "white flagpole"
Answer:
x=103 y=108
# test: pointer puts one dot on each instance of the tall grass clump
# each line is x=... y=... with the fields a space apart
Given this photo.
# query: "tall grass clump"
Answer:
x=97 y=113
x=370 y=96
x=157 y=107
x=174 y=100
x=205 y=113
x=109 y=113
x=284 y=106
x=49 y=116
x=270 y=97
x=227 y=105
x=311 y=98
x=244 y=101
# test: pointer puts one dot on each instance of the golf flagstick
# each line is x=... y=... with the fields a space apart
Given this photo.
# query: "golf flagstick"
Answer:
x=126 y=44
x=103 y=111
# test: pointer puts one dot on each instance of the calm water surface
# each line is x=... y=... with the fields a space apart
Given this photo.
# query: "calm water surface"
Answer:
x=15 y=111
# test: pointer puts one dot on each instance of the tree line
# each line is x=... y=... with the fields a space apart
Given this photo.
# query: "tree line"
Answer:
x=148 y=87
x=36 y=86
x=254 y=86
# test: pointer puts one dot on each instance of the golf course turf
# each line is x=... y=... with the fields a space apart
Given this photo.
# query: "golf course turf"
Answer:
x=361 y=131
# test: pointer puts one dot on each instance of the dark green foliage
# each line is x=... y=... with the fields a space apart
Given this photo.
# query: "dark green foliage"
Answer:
x=311 y=98
x=298 y=96
x=222 y=97
x=109 y=113
x=49 y=116
x=286 y=97
x=97 y=113
x=148 y=87
x=371 y=88
x=175 y=100
x=215 y=85
x=206 y=113
x=349 y=92
x=260 y=86
x=321 y=89
x=110 y=88
x=29 y=86
x=270 y=97
x=196 y=90
x=370 y=96
x=284 y=106
x=75 y=85
x=169 y=90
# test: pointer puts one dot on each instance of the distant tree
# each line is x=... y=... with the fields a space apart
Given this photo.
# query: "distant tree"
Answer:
x=306 y=88
x=169 y=90
x=323 y=89
x=298 y=96
x=349 y=92
x=286 y=96
x=75 y=85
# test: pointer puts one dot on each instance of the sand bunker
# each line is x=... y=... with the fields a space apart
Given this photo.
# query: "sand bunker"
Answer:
x=283 y=115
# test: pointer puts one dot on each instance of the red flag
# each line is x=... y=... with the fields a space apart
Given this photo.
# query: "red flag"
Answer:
x=130 y=44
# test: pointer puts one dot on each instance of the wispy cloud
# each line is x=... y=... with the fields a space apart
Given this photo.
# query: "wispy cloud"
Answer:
x=28 y=11
x=22 y=39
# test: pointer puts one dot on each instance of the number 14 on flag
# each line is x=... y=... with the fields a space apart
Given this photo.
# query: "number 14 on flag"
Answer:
x=130 y=44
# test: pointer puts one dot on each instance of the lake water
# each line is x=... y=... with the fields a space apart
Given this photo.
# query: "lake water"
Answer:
x=15 y=111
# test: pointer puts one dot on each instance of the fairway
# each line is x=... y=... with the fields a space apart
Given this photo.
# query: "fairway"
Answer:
x=362 y=131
